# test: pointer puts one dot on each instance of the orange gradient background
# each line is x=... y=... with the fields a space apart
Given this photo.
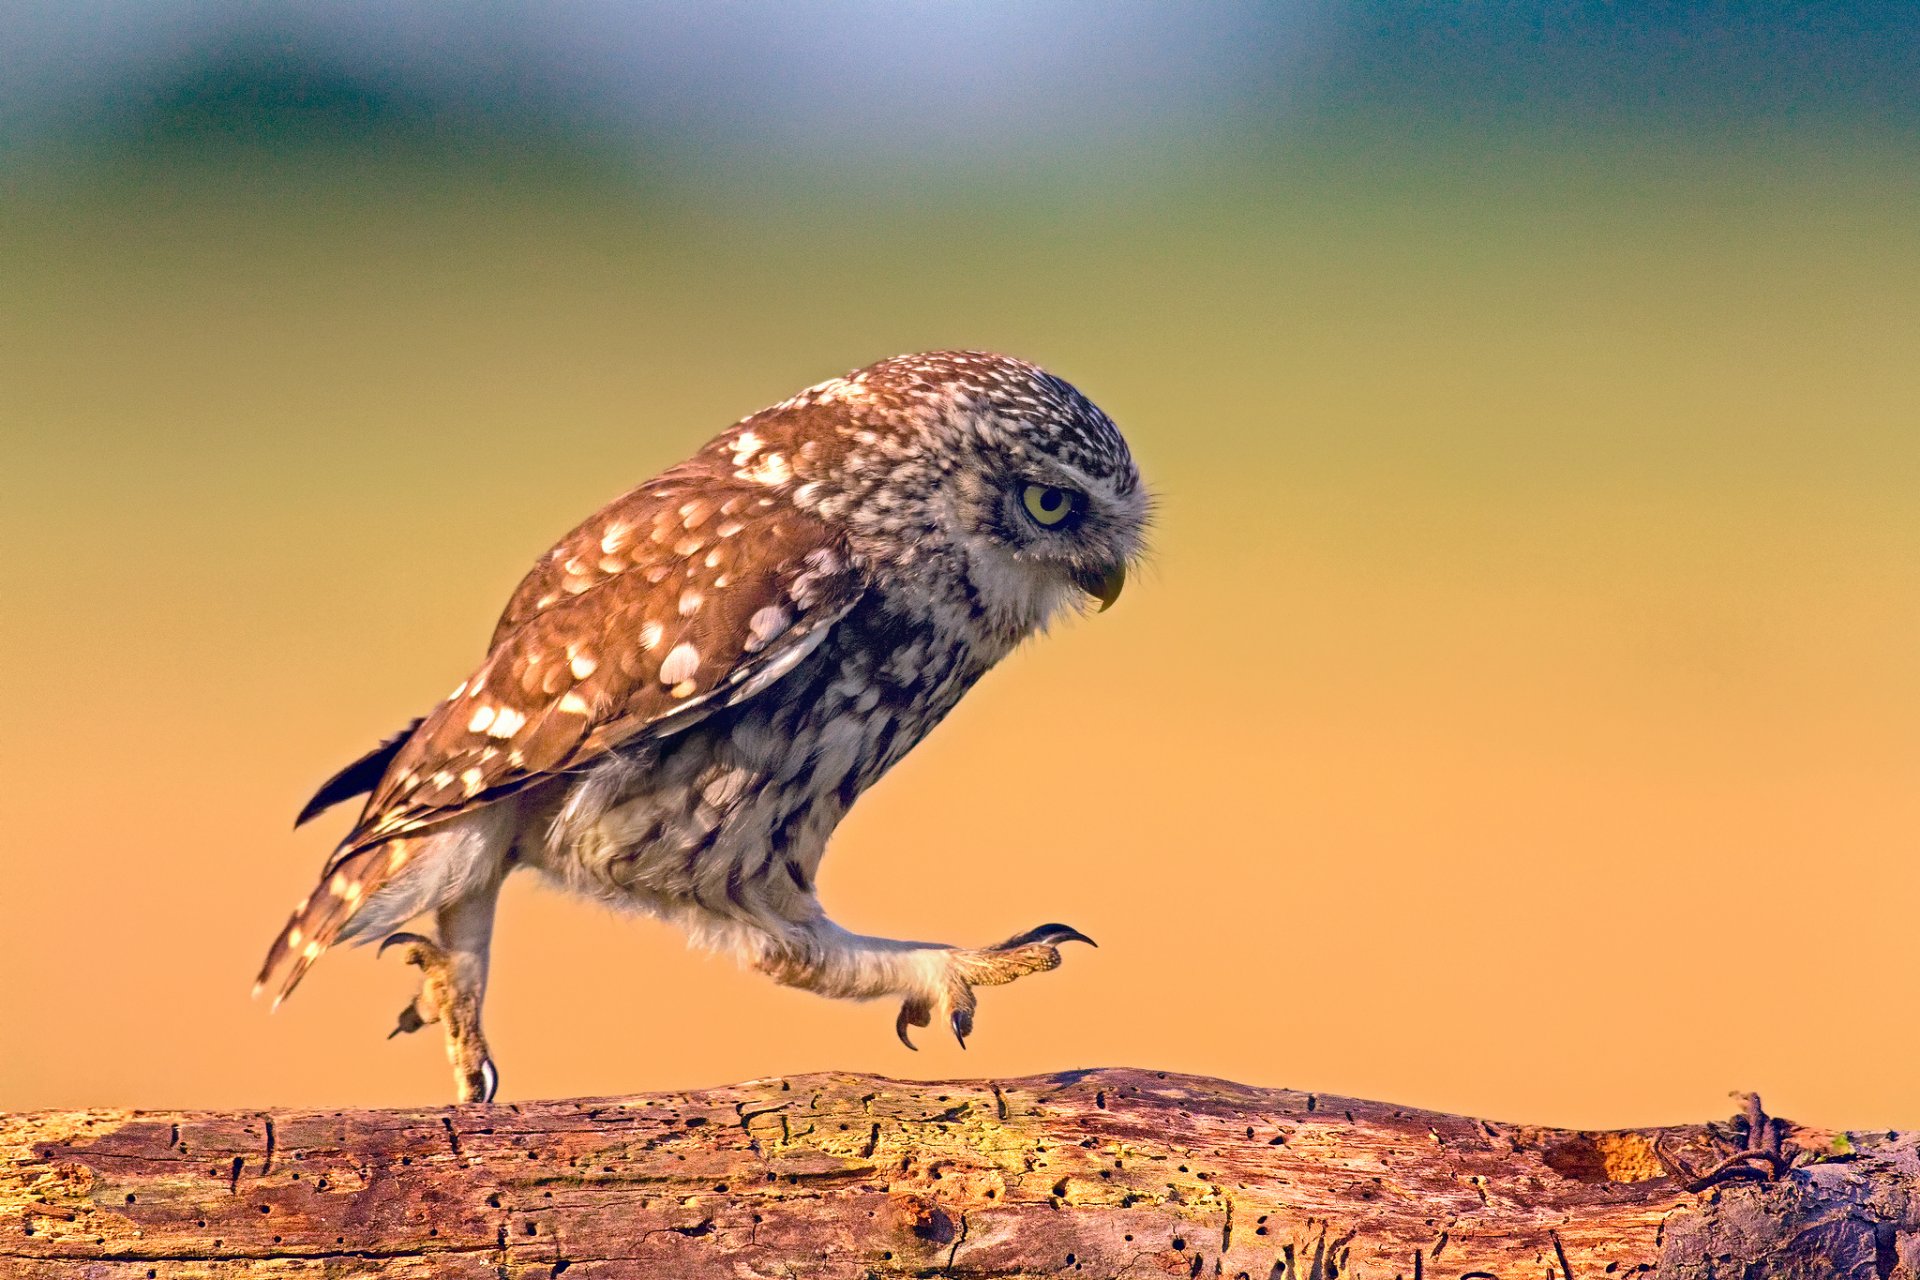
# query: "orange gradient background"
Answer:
x=1520 y=715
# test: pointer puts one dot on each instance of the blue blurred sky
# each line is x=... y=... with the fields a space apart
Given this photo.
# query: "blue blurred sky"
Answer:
x=901 y=78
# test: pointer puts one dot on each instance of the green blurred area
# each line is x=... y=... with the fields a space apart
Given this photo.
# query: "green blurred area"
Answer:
x=1492 y=356
x=1463 y=314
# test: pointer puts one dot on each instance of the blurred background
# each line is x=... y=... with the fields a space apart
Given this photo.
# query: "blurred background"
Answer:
x=1531 y=391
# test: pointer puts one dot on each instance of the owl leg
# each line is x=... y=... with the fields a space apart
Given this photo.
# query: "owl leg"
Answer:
x=453 y=983
x=929 y=978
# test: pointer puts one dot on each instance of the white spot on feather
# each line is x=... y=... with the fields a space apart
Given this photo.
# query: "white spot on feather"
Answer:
x=680 y=664
x=769 y=470
x=745 y=445
x=764 y=625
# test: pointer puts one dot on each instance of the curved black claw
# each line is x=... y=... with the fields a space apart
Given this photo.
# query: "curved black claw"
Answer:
x=913 y=1013
x=962 y=1021
x=397 y=939
x=409 y=1022
x=1049 y=934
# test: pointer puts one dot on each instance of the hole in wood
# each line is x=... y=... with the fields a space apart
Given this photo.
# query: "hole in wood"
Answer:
x=1604 y=1157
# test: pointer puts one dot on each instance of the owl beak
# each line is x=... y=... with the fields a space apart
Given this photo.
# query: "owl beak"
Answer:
x=1103 y=584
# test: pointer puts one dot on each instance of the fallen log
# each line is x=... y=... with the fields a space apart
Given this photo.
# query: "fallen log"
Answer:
x=1090 y=1173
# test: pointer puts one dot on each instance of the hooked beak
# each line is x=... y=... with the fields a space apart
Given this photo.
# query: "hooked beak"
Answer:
x=1103 y=584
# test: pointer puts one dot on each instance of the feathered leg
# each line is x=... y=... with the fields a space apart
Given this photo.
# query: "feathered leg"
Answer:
x=930 y=978
x=453 y=985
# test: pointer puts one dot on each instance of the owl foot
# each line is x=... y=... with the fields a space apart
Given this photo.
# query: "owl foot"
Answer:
x=1034 y=951
x=443 y=999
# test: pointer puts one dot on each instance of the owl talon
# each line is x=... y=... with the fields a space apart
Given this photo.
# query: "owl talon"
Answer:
x=1047 y=934
x=419 y=952
x=444 y=1000
x=480 y=1083
x=1034 y=951
x=913 y=1013
x=409 y=1022
x=419 y=949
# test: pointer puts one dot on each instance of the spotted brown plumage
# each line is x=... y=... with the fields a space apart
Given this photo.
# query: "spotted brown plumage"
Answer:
x=684 y=696
x=692 y=606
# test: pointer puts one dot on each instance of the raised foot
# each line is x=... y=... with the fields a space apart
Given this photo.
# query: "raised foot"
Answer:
x=1034 y=951
x=444 y=999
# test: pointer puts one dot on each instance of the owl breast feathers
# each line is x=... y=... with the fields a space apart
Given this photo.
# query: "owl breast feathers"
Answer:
x=685 y=695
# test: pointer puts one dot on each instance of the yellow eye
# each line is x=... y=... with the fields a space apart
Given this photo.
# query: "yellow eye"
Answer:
x=1047 y=505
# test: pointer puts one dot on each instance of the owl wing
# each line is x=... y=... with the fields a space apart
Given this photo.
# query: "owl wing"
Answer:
x=683 y=596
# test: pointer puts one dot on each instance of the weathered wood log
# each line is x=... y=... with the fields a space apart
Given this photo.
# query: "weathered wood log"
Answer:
x=1096 y=1173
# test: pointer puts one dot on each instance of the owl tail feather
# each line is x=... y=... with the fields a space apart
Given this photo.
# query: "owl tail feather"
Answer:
x=358 y=778
x=323 y=914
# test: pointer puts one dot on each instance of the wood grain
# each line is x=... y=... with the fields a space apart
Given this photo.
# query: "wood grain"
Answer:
x=1096 y=1173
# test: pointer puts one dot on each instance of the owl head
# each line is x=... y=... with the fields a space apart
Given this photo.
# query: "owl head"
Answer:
x=977 y=476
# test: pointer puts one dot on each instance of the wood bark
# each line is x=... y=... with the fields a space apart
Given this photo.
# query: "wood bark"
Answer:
x=1092 y=1173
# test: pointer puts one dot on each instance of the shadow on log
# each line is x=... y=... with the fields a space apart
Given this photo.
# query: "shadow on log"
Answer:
x=1094 y=1173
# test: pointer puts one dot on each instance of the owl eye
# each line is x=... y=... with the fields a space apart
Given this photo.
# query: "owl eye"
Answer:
x=1049 y=506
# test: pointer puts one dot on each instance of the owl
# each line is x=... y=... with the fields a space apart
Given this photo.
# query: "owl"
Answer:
x=687 y=693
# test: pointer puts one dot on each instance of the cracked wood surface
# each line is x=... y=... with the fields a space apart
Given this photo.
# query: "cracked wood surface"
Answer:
x=1094 y=1173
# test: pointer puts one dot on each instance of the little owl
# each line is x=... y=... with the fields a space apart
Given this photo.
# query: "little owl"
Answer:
x=685 y=696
